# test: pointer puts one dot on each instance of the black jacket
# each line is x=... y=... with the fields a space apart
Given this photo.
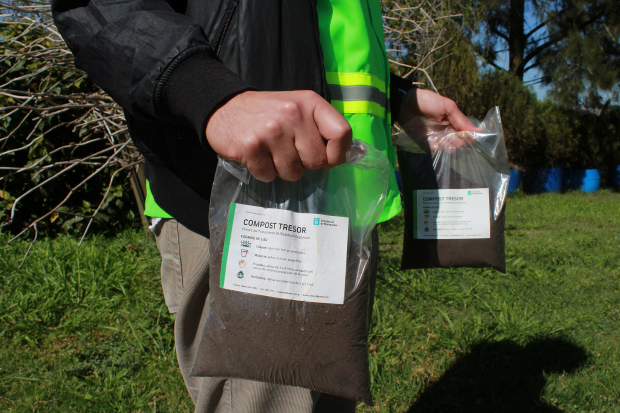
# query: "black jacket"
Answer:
x=171 y=64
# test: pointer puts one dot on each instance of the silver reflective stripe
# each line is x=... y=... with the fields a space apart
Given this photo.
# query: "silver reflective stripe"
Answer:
x=355 y=93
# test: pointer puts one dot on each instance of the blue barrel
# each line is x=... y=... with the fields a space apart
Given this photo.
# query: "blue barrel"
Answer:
x=585 y=180
x=536 y=181
x=614 y=177
x=515 y=180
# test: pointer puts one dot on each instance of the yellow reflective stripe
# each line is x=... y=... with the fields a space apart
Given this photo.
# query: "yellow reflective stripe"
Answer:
x=342 y=80
x=355 y=79
x=359 y=106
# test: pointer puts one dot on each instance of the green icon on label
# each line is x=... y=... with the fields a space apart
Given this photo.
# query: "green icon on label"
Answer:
x=317 y=221
x=468 y=192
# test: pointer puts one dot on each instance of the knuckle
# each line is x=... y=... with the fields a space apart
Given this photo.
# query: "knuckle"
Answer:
x=450 y=104
x=290 y=109
x=271 y=128
x=343 y=131
x=346 y=129
x=253 y=143
x=310 y=95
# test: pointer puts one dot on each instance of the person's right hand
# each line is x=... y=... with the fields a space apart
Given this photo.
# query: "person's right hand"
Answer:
x=280 y=133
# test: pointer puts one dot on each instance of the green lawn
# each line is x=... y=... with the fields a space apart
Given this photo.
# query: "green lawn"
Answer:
x=86 y=329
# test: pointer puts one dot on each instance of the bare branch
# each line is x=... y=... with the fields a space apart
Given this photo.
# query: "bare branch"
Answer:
x=104 y=198
x=36 y=235
x=415 y=35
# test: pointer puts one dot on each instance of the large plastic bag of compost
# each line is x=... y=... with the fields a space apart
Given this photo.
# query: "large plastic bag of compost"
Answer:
x=289 y=287
x=454 y=190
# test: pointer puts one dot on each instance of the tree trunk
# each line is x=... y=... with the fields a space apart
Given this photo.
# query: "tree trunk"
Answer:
x=517 y=39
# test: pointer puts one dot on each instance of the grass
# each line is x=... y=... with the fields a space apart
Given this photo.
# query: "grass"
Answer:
x=86 y=330
x=541 y=338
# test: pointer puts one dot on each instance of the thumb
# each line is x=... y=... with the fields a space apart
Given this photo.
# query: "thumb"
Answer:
x=460 y=122
x=335 y=129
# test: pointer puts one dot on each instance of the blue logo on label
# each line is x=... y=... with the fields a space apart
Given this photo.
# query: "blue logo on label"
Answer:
x=317 y=221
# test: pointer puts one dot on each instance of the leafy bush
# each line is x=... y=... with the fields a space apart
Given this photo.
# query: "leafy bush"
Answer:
x=539 y=134
x=517 y=104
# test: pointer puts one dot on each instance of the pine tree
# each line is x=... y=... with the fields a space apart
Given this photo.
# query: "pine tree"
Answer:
x=575 y=43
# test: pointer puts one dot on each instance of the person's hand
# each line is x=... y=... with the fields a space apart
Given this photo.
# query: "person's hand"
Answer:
x=439 y=109
x=280 y=133
x=432 y=106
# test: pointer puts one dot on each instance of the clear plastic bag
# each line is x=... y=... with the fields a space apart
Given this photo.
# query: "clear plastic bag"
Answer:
x=315 y=345
x=446 y=176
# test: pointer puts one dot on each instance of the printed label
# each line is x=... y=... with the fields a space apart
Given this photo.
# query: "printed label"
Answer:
x=284 y=254
x=451 y=213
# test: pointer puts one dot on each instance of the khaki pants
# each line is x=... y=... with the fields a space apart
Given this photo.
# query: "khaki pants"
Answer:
x=185 y=281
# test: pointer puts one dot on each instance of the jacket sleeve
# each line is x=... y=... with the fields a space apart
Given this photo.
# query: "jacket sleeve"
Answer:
x=398 y=89
x=153 y=61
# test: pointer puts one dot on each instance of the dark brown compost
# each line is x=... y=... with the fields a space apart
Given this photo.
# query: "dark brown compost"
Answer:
x=318 y=346
x=417 y=172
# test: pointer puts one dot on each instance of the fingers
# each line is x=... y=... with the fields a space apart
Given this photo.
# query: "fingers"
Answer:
x=262 y=167
x=309 y=143
x=336 y=131
x=288 y=164
x=457 y=119
x=271 y=151
x=280 y=133
x=257 y=157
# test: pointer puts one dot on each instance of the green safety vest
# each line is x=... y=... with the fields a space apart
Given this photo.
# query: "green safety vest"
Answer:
x=357 y=72
x=358 y=76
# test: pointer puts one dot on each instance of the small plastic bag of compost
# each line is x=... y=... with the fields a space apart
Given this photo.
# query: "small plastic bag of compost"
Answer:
x=289 y=287
x=454 y=190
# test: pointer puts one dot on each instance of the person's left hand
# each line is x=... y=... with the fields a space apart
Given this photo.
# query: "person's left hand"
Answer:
x=432 y=106
x=439 y=109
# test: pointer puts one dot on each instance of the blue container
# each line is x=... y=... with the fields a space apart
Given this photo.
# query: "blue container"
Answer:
x=536 y=181
x=614 y=177
x=586 y=180
x=515 y=180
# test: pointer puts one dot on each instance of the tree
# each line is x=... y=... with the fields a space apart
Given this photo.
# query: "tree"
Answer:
x=416 y=34
x=573 y=42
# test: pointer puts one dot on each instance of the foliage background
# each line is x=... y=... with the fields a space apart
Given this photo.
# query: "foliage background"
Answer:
x=58 y=129
x=539 y=134
x=60 y=137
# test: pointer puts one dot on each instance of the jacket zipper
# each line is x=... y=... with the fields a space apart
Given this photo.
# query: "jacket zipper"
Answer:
x=224 y=24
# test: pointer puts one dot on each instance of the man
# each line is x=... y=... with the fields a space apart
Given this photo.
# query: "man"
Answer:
x=251 y=81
